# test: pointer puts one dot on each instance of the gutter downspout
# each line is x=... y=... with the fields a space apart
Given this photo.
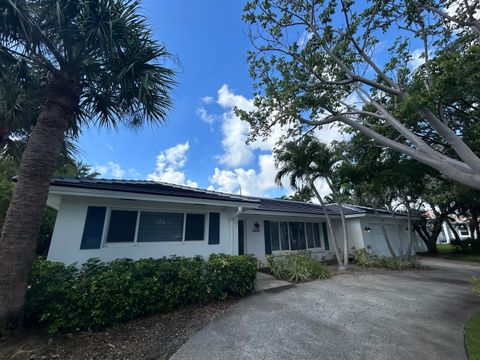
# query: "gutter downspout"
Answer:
x=232 y=229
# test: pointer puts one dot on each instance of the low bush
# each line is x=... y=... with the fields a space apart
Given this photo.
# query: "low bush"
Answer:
x=98 y=294
x=476 y=284
x=362 y=257
x=296 y=267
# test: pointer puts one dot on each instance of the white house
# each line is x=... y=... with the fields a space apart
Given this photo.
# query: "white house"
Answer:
x=111 y=219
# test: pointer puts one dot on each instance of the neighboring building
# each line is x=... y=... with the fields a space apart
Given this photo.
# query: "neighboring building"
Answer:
x=111 y=219
x=461 y=227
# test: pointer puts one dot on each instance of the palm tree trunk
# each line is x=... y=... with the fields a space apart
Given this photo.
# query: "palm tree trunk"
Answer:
x=24 y=216
x=384 y=231
x=344 y=223
x=329 y=224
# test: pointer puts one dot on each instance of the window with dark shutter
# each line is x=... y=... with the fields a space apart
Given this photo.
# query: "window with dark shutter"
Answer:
x=214 y=228
x=93 y=229
x=122 y=226
x=195 y=227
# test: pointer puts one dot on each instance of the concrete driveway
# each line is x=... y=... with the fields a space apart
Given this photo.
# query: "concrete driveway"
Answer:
x=387 y=315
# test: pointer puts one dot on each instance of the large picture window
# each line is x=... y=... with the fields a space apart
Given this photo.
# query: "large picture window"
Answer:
x=128 y=226
x=156 y=226
x=294 y=235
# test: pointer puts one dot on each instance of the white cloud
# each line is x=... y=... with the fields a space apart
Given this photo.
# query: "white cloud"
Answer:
x=205 y=116
x=170 y=164
x=207 y=99
x=110 y=170
x=247 y=181
x=242 y=160
x=417 y=58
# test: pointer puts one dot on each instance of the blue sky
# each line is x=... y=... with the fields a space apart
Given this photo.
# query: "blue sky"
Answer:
x=203 y=143
x=210 y=42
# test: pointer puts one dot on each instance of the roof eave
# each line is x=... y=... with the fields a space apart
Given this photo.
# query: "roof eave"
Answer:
x=112 y=194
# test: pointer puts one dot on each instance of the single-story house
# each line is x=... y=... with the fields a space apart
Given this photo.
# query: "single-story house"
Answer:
x=111 y=219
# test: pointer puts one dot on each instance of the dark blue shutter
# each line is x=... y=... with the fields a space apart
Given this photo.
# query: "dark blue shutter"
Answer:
x=93 y=229
x=214 y=228
x=268 y=245
x=325 y=235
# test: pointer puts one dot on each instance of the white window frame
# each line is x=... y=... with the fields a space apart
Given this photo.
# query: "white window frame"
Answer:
x=135 y=241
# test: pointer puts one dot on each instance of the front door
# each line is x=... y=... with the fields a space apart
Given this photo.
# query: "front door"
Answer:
x=241 y=238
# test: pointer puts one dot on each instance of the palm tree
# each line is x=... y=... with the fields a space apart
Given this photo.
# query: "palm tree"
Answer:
x=100 y=65
x=307 y=160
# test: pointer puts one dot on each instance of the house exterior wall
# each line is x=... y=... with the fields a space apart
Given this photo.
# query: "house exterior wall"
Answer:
x=69 y=225
x=397 y=233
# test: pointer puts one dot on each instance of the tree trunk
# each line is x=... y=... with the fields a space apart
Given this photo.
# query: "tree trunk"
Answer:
x=453 y=230
x=384 y=231
x=344 y=223
x=330 y=226
x=430 y=240
x=409 y=229
x=24 y=216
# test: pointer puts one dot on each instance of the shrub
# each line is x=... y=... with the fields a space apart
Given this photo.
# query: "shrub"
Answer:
x=362 y=257
x=296 y=267
x=476 y=284
x=99 y=294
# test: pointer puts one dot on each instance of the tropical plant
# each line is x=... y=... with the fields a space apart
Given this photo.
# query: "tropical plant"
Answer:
x=98 y=64
x=307 y=160
x=297 y=267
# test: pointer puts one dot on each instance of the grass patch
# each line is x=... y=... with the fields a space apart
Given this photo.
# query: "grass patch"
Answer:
x=472 y=337
x=451 y=252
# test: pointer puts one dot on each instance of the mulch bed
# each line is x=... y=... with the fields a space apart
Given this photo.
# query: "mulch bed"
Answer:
x=150 y=337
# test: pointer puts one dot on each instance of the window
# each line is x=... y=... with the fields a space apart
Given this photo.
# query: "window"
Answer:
x=122 y=226
x=294 y=235
x=310 y=240
x=155 y=226
x=195 y=227
x=316 y=235
x=275 y=235
x=463 y=229
x=127 y=226
x=284 y=236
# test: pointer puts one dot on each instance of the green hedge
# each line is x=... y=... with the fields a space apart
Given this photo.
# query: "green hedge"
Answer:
x=97 y=295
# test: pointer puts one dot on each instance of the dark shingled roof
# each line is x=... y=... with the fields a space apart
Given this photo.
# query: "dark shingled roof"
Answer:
x=146 y=187
x=165 y=189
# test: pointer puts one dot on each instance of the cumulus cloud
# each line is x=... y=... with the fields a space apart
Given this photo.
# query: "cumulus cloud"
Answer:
x=110 y=170
x=246 y=181
x=170 y=164
x=205 y=116
x=250 y=168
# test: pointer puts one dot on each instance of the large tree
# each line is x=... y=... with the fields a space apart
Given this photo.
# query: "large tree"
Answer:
x=101 y=66
x=320 y=62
